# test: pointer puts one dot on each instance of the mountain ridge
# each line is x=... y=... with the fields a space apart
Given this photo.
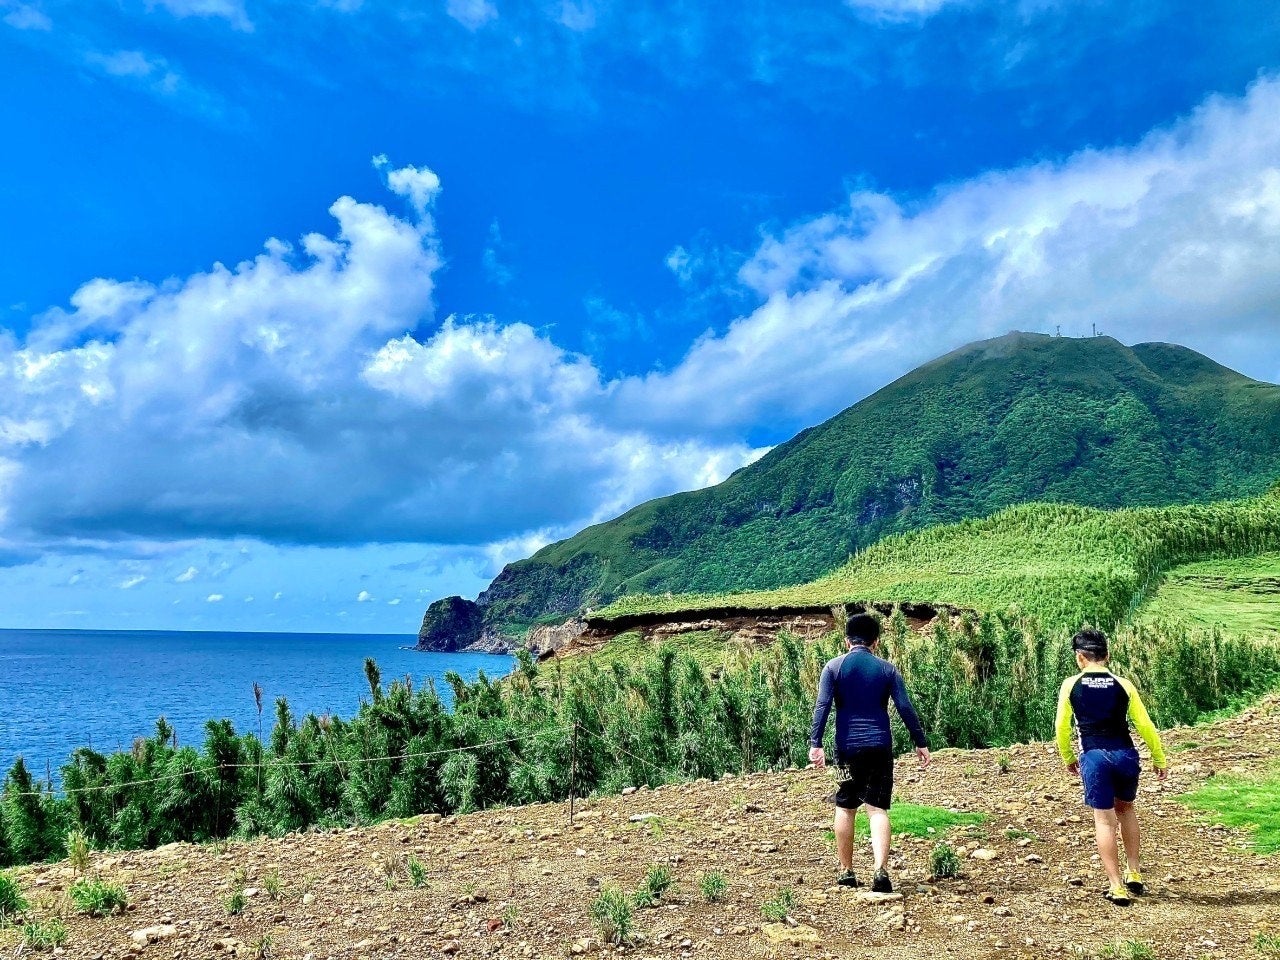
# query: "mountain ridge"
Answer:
x=998 y=422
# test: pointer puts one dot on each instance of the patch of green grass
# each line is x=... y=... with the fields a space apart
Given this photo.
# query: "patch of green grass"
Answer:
x=916 y=820
x=1240 y=595
x=779 y=906
x=235 y=903
x=713 y=886
x=1244 y=802
x=1268 y=944
x=417 y=871
x=612 y=913
x=1016 y=833
x=98 y=898
x=44 y=934
x=272 y=885
x=656 y=882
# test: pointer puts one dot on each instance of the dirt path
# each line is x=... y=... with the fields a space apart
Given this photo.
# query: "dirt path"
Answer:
x=519 y=882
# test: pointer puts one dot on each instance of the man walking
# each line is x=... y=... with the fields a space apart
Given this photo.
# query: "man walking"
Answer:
x=1103 y=704
x=861 y=684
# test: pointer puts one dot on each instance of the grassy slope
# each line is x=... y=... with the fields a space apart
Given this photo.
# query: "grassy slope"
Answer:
x=1241 y=595
x=1007 y=421
x=1059 y=563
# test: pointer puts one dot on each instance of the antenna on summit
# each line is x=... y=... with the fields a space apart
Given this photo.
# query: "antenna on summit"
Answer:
x=1059 y=329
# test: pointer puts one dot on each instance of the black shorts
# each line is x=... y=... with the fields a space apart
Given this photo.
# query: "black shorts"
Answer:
x=866 y=776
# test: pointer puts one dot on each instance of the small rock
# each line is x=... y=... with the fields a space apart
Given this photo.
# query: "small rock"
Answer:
x=982 y=853
x=450 y=947
x=782 y=933
x=152 y=934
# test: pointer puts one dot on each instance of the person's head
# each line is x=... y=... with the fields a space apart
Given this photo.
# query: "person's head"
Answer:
x=1090 y=646
x=862 y=630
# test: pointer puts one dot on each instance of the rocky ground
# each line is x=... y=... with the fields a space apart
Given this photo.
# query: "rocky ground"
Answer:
x=520 y=882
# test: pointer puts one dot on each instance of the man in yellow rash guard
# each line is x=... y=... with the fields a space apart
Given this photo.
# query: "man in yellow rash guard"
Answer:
x=1103 y=704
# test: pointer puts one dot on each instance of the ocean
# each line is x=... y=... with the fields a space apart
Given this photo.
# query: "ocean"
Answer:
x=62 y=689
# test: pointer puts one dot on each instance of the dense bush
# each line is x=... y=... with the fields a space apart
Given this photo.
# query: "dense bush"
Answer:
x=660 y=716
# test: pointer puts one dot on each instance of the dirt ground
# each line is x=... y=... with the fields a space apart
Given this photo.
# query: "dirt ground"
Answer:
x=519 y=882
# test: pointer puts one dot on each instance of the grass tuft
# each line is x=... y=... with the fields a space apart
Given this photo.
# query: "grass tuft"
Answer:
x=777 y=908
x=1249 y=803
x=612 y=914
x=98 y=898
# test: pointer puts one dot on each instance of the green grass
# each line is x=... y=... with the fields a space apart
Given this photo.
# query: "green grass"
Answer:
x=98 y=898
x=1239 y=595
x=44 y=934
x=1061 y=564
x=779 y=906
x=917 y=821
x=709 y=647
x=1245 y=802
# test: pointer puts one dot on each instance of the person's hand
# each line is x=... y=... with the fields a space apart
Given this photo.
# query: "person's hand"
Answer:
x=818 y=757
x=1073 y=768
x=1162 y=774
x=923 y=754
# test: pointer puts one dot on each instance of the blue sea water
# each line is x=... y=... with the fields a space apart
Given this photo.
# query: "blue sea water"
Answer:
x=62 y=689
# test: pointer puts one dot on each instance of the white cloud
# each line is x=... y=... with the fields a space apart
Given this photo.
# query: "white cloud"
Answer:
x=395 y=602
x=578 y=17
x=145 y=71
x=25 y=16
x=278 y=595
x=418 y=185
x=364 y=596
x=230 y=10
x=1174 y=238
x=214 y=598
x=132 y=582
x=472 y=14
x=285 y=398
x=187 y=575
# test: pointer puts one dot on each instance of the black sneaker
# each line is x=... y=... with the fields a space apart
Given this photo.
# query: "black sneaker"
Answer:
x=880 y=882
x=848 y=879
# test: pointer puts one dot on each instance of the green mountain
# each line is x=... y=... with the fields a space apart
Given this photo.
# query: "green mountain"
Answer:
x=1024 y=417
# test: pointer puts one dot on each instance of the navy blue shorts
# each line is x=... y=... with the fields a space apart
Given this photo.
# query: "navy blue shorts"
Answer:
x=1108 y=776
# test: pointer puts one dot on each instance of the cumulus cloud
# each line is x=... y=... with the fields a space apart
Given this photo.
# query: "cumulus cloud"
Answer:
x=187 y=575
x=214 y=598
x=900 y=9
x=1174 y=238
x=291 y=398
x=364 y=596
x=132 y=582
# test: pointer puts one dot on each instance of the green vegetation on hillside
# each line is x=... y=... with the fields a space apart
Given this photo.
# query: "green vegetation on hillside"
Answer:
x=1064 y=565
x=1008 y=421
x=657 y=716
x=1239 y=595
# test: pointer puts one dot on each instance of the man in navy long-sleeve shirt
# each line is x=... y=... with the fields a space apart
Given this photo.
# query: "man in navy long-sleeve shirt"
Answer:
x=861 y=685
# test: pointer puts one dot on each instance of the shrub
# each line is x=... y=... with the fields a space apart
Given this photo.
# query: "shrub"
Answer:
x=612 y=914
x=781 y=905
x=44 y=935
x=943 y=861
x=98 y=898
x=1128 y=950
x=12 y=902
x=1003 y=762
x=713 y=886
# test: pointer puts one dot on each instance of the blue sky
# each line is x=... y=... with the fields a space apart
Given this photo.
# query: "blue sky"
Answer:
x=315 y=312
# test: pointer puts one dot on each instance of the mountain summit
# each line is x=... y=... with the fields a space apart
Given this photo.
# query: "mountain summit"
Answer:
x=1019 y=418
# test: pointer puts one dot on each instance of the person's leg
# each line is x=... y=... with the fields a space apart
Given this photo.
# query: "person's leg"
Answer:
x=879 y=835
x=1104 y=828
x=844 y=836
x=1130 y=833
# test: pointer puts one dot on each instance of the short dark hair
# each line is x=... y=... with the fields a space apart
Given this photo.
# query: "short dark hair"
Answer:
x=1092 y=643
x=863 y=629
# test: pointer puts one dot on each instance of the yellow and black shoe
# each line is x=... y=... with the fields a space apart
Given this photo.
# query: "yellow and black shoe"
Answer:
x=1119 y=896
x=1133 y=881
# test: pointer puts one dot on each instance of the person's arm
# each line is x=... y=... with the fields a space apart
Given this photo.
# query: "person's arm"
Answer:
x=1146 y=729
x=821 y=710
x=907 y=710
x=1062 y=724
